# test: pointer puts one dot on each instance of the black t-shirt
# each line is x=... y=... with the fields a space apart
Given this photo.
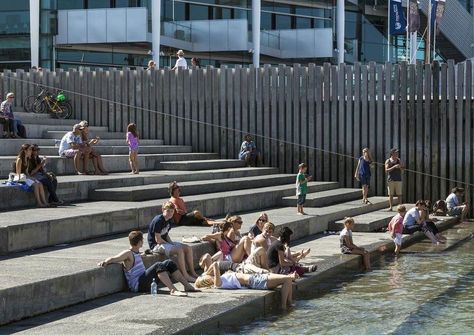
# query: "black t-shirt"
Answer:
x=255 y=230
x=272 y=253
x=158 y=225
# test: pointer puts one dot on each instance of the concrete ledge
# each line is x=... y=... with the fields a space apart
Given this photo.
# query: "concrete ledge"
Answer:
x=116 y=163
x=153 y=191
x=324 y=198
x=202 y=165
x=58 y=134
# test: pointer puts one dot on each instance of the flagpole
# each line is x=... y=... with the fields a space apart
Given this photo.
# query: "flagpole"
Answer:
x=428 y=36
x=388 y=30
x=407 y=41
x=434 y=39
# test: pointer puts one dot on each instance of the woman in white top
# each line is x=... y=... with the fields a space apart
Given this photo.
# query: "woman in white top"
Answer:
x=181 y=61
x=232 y=280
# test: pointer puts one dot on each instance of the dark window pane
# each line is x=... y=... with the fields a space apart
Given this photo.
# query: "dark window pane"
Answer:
x=266 y=21
x=14 y=5
x=98 y=3
x=198 y=12
x=179 y=11
x=70 y=4
x=283 y=22
x=14 y=23
x=303 y=23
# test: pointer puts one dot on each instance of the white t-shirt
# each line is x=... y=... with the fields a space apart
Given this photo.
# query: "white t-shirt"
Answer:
x=411 y=217
x=181 y=62
x=67 y=140
x=452 y=201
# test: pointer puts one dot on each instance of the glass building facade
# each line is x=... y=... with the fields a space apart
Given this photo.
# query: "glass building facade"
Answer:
x=365 y=32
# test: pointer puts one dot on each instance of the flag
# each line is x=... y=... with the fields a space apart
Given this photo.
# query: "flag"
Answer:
x=437 y=11
x=398 y=22
x=414 y=16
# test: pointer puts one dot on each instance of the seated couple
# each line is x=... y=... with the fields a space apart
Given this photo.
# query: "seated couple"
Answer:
x=140 y=279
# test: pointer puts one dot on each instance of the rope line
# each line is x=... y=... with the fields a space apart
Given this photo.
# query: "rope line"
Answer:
x=204 y=123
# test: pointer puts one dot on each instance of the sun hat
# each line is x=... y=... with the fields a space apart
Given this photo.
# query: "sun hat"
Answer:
x=180 y=53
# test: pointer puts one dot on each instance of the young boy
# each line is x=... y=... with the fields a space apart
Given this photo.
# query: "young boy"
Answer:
x=395 y=228
x=348 y=246
x=160 y=242
x=301 y=187
x=138 y=278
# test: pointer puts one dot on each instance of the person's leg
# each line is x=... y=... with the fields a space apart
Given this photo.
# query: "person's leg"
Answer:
x=41 y=193
x=36 y=192
x=430 y=235
x=86 y=156
x=130 y=161
x=366 y=193
x=178 y=276
x=77 y=162
x=465 y=209
x=181 y=260
x=275 y=280
x=188 y=251
x=397 y=248
x=135 y=162
x=364 y=254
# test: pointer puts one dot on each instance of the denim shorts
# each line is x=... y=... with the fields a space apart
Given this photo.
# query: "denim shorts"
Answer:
x=455 y=211
x=301 y=199
x=258 y=282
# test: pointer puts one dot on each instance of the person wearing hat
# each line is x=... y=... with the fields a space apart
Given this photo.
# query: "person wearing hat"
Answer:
x=6 y=116
x=71 y=146
x=393 y=169
x=151 y=65
x=94 y=155
x=181 y=61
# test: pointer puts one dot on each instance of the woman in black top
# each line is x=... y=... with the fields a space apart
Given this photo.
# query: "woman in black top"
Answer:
x=36 y=170
x=21 y=167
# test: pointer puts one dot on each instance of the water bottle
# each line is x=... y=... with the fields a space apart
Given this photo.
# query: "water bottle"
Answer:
x=154 y=288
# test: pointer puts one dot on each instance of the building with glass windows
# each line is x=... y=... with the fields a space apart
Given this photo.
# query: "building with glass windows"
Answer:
x=116 y=33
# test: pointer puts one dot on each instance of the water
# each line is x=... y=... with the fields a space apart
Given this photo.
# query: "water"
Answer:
x=415 y=294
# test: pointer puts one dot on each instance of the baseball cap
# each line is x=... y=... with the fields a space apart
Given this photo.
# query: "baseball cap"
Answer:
x=77 y=126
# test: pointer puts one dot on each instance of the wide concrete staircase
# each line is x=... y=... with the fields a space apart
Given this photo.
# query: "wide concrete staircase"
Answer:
x=49 y=256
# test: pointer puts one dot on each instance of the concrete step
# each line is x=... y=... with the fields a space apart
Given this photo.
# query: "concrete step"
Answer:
x=34 y=228
x=325 y=198
x=115 y=163
x=43 y=118
x=154 y=191
x=124 y=313
x=201 y=164
x=10 y=147
x=77 y=188
x=58 y=134
x=76 y=278
x=123 y=150
x=37 y=130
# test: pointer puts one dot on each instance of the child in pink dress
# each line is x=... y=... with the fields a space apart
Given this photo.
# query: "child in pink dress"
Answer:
x=133 y=143
x=395 y=228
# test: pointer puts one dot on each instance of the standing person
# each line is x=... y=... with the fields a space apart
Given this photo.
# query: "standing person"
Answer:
x=21 y=167
x=363 y=173
x=455 y=205
x=195 y=62
x=301 y=187
x=393 y=169
x=160 y=242
x=6 y=109
x=248 y=152
x=348 y=246
x=181 y=61
x=71 y=146
x=49 y=181
x=133 y=142
x=151 y=65
x=140 y=279
x=94 y=155
x=395 y=228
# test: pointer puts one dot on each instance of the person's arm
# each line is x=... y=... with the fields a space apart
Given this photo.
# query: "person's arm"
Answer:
x=349 y=242
x=211 y=237
x=159 y=239
x=387 y=169
x=216 y=274
x=231 y=235
x=119 y=258
x=38 y=167
x=283 y=260
x=356 y=173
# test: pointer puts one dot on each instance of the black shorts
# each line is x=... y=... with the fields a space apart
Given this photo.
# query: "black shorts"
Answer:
x=301 y=199
x=151 y=273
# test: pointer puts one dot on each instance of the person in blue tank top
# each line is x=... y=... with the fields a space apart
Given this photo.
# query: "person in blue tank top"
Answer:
x=362 y=174
x=139 y=279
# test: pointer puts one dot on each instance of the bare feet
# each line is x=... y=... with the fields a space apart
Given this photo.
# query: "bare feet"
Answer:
x=190 y=279
x=191 y=288
x=305 y=253
x=177 y=293
x=80 y=173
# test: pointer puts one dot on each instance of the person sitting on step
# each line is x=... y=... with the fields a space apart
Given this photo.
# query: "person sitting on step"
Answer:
x=440 y=208
x=232 y=280
x=455 y=205
x=256 y=229
x=181 y=215
x=282 y=260
x=71 y=146
x=160 y=242
x=248 y=152
x=6 y=116
x=266 y=238
x=428 y=227
x=140 y=279
x=94 y=155
x=255 y=263
x=347 y=245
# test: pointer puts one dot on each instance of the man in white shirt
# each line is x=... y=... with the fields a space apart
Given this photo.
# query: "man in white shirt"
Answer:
x=71 y=146
x=454 y=204
x=181 y=61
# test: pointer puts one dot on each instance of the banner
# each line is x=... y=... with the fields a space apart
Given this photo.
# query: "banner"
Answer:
x=437 y=11
x=414 y=16
x=398 y=23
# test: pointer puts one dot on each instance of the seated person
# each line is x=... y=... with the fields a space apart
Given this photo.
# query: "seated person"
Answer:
x=6 y=116
x=181 y=215
x=412 y=220
x=257 y=265
x=94 y=155
x=455 y=205
x=395 y=228
x=265 y=239
x=256 y=229
x=140 y=279
x=429 y=228
x=282 y=260
x=440 y=208
x=232 y=280
x=248 y=152
x=71 y=146
x=230 y=248
x=347 y=245
x=160 y=242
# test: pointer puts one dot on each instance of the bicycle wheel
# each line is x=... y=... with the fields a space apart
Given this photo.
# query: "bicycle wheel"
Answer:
x=28 y=103
x=63 y=110
x=38 y=106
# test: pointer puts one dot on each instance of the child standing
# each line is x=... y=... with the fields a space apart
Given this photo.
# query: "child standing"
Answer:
x=362 y=174
x=133 y=143
x=395 y=228
x=348 y=247
x=301 y=187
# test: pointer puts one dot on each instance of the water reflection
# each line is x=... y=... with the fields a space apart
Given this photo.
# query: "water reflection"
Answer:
x=417 y=293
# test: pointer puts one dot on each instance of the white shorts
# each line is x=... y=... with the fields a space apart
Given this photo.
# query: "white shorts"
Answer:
x=166 y=248
x=398 y=239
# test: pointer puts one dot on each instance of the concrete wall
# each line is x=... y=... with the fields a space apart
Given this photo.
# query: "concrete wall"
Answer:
x=322 y=115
